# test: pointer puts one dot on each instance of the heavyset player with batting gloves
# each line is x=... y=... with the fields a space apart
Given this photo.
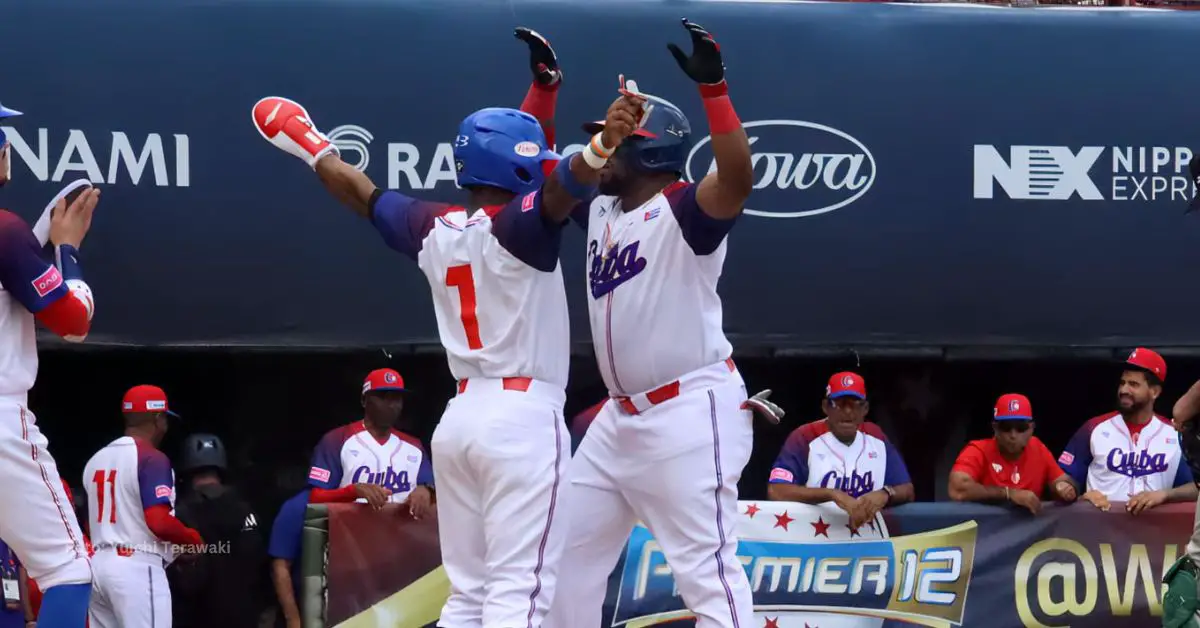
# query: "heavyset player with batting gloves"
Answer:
x=670 y=445
x=43 y=530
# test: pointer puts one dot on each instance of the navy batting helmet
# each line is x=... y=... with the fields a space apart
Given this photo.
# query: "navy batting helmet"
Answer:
x=661 y=144
x=203 y=450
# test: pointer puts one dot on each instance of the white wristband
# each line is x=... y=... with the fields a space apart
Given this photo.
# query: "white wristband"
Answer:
x=596 y=154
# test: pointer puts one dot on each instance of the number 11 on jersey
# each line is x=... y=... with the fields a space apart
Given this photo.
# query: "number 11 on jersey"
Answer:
x=463 y=279
x=100 y=479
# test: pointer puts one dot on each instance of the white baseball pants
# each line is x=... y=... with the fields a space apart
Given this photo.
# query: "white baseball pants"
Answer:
x=499 y=460
x=36 y=519
x=674 y=466
x=129 y=591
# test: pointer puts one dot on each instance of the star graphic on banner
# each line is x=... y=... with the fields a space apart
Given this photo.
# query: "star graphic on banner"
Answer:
x=820 y=527
x=782 y=521
x=751 y=510
x=853 y=531
x=771 y=623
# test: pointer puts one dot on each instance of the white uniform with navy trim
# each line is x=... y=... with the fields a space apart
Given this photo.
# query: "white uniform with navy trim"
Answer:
x=675 y=464
x=501 y=447
x=351 y=455
x=1105 y=456
x=36 y=518
x=122 y=480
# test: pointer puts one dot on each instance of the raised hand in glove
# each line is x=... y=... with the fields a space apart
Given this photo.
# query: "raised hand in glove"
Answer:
x=763 y=407
x=287 y=126
x=704 y=65
x=542 y=60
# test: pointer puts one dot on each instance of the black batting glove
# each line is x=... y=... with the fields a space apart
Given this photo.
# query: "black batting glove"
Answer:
x=542 y=61
x=705 y=65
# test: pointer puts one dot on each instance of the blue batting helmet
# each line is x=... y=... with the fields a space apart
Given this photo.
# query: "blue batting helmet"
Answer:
x=501 y=148
x=661 y=144
x=5 y=112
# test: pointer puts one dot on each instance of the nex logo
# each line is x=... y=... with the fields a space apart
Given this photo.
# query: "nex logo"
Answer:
x=1037 y=172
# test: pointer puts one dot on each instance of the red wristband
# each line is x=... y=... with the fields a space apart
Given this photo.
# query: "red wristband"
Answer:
x=540 y=101
x=719 y=109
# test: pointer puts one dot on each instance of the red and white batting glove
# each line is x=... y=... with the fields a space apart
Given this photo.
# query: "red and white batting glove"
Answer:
x=767 y=410
x=286 y=125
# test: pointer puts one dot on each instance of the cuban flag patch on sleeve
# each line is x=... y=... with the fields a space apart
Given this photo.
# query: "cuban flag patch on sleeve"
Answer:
x=1066 y=458
x=318 y=474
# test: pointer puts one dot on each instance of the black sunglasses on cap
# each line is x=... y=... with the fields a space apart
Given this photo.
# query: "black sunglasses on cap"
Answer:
x=1013 y=426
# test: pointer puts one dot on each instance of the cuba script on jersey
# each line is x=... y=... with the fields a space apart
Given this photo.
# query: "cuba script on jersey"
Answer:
x=350 y=455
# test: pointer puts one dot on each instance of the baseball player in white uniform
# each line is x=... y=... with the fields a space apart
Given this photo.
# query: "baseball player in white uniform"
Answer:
x=1132 y=455
x=670 y=445
x=131 y=501
x=842 y=458
x=37 y=520
x=500 y=450
x=371 y=461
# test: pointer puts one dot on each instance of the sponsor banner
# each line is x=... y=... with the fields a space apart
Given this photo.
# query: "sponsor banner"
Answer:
x=911 y=160
x=928 y=564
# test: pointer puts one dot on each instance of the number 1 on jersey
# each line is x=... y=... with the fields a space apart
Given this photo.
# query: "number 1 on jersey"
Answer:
x=463 y=279
x=99 y=479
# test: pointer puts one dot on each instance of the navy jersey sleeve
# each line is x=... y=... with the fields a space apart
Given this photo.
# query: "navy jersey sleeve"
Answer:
x=1077 y=457
x=896 y=472
x=24 y=273
x=791 y=467
x=155 y=480
x=326 y=471
x=288 y=527
x=402 y=220
x=702 y=232
x=521 y=229
x=425 y=472
x=1183 y=474
x=580 y=213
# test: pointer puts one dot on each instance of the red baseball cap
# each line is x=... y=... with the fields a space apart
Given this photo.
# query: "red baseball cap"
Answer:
x=1149 y=361
x=1012 y=407
x=846 y=384
x=146 y=398
x=383 y=379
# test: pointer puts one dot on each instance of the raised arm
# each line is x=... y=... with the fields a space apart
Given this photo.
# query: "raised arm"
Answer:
x=542 y=97
x=54 y=293
x=723 y=193
x=574 y=180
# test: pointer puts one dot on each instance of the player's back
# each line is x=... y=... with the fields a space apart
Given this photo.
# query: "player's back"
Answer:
x=496 y=283
x=116 y=495
x=18 y=338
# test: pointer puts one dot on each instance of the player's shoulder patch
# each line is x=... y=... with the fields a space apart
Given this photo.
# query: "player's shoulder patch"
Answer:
x=1066 y=458
x=162 y=490
x=47 y=282
x=781 y=475
x=318 y=474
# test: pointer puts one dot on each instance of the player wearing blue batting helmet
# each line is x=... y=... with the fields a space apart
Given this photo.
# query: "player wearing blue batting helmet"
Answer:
x=501 y=148
x=5 y=163
x=660 y=145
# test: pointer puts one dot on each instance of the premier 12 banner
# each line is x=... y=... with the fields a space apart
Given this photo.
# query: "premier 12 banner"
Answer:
x=936 y=565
